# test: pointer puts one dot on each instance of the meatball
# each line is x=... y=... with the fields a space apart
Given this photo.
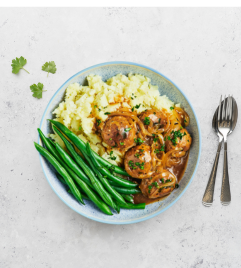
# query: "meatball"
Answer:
x=153 y=117
x=119 y=131
x=138 y=161
x=178 y=139
x=160 y=184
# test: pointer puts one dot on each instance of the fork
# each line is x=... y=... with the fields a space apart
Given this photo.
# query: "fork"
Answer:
x=224 y=126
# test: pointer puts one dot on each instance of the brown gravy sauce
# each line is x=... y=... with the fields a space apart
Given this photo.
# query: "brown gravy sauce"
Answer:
x=177 y=170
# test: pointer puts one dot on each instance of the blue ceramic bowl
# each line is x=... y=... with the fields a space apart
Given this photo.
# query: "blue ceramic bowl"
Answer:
x=166 y=87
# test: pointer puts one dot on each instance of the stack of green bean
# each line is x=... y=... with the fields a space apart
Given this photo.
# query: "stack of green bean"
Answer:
x=89 y=177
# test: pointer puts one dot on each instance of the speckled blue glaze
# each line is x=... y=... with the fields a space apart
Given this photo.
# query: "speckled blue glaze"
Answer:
x=166 y=87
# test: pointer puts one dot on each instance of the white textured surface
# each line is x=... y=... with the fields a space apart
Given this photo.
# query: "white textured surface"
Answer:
x=199 y=49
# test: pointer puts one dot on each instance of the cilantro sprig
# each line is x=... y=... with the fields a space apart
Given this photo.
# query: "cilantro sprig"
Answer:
x=18 y=64
x=37 y=90
x=49 y=67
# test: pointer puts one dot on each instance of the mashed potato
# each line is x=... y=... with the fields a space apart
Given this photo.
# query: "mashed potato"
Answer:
x=83 y=104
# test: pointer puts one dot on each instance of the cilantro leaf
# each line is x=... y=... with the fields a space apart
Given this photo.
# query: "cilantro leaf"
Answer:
x=18 y=64
x=49 y=67
x=37 y=90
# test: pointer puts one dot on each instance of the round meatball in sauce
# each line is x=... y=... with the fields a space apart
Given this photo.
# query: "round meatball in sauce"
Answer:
x=119 y=132
x=138 y=161
x=160 y=184
x=179 y=139
x=154 y=118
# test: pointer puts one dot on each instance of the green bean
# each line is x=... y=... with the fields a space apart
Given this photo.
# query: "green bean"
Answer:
x=85 y=188
x=60 y=178
x=134 y=206
x=118 y=207
x=117 y=180
x=104 y=181
x=51 y=141
x=61 y=170
x=128 y=198
x=95 y=182
x=127 y=205
x=72 y=165
x=78 y=171
x=52 y=149
x=82 y=146
x=126 y=191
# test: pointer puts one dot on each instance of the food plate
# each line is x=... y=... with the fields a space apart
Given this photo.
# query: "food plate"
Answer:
x=166 y=87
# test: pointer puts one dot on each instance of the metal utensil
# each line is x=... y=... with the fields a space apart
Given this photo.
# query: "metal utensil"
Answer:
x=225 y=121
x=208 y=194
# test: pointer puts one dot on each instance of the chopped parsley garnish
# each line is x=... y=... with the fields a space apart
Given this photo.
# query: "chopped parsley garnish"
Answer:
x=177 y=186
x=121 y=143
x=132 y=97
x=137 y=107
x=154 y=184
x=162 y=180
x=80 y=128
x=176 y=134
x=95 y=106
x=171 y=108
x=140 y=165
x=138 y=141
x=106 y=113
x=131 y=165
x=141 y=150
x=147 y=121
x=185 y=121
x=98 y=121
x=112 y=157
x=155 y=138
x=149 y=188
x=168 y=180
x=137 y=155
x=127 y=129
x=110 y=139
x=160 y=150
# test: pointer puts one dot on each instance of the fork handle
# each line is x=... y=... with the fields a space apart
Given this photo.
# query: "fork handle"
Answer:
x=208 y=194
x=225 y=197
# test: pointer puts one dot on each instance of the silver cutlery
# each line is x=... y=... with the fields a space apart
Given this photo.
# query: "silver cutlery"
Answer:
x=208 y=195
x=225 y=121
